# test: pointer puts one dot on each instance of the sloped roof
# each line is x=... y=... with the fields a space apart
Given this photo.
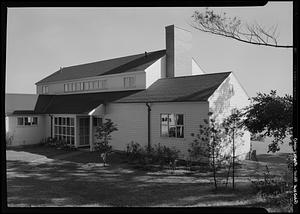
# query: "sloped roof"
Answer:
x=179 y=89
x=76 y=103
x=105 y=67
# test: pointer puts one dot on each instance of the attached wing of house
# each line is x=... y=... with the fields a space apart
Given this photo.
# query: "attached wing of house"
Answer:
x=153 y=97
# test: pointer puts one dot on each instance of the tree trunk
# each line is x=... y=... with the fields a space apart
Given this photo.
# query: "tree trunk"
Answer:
x=233 y=156
x=228 y=174
x=214 y=168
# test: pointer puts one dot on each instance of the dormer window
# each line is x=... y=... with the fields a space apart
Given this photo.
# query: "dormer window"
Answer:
x=45 y=89
x=129 y=82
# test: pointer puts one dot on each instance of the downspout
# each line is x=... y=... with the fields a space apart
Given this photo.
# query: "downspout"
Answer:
x=149 y=123
x=51 y=119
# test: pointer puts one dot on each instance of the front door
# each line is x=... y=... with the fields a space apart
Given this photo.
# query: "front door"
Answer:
x=84 y=131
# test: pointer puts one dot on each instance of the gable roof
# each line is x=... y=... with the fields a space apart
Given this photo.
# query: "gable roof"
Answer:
x=76 y=103
x=176 y=89
x=179 y=89
x=105 y=67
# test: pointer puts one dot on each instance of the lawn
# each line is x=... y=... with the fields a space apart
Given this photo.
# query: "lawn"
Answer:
x=43 y=176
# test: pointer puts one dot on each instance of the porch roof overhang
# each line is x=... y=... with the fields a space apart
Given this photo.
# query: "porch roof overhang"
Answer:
x=76 y=103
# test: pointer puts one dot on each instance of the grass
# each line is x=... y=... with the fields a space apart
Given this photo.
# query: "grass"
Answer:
x=43 y=176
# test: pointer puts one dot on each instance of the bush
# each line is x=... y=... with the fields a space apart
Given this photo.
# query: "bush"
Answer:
x=158 y=154
x=59 y=144
x=103 y=147
x=275 y=190
x=9 y=139
x=134 y=151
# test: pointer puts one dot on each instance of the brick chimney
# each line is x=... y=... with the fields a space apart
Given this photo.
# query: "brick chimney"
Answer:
x=178 y=57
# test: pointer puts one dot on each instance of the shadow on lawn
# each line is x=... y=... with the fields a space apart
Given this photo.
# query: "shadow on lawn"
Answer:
x=62 y=183
x=80 y=179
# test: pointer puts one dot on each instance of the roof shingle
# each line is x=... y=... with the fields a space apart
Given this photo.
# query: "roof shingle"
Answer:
x=179 y=89
x=105 y=67
x=76 y=103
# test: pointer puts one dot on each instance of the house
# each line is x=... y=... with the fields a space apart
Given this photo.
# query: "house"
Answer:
x=153 y=97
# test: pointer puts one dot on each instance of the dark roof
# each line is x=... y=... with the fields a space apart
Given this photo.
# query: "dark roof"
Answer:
x=76 y=103
x=105 y=67
x=23 y=112
x=179 y=89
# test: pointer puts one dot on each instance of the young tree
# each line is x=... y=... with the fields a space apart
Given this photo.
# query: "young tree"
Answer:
x=232 y=126
x=220 y=24
x=103 y=133
x=209 y=143
x=271 y=115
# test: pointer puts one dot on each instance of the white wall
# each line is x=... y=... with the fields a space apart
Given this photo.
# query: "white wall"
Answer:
x=228 y=96
x=26 y=135
x=132 y=122
x=193 y=112
x=154 y=72
x=19 y=102
x=196 y=70
x=114 y=83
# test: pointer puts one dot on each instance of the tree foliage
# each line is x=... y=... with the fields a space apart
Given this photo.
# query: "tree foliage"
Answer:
x=209 y=143
x=103 y=134
x=220 y=24
x=270 y=115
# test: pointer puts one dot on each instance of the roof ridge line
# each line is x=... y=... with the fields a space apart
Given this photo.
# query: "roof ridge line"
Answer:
x=110 y=59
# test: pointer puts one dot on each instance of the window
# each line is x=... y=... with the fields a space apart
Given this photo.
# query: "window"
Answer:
x=172 y=125
x=64 y=129
x=86 y=86
x=97 y=121
x=95 y=84
x=129 y=82
x=69 y=87
x=66 y=87
x=91 y=85
x=102 y=84
x=20 y=121
x=27 y=121
x=79 y=86
x=45 y=89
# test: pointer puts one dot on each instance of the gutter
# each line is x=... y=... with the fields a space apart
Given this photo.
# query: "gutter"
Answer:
x=149 y=123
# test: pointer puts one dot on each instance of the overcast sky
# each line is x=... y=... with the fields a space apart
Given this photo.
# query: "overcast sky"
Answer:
x=40 y=40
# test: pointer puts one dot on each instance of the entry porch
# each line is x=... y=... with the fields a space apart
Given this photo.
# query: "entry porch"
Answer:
x=76 y=130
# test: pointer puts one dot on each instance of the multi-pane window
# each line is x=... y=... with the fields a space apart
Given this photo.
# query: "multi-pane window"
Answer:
x=27 y=121
x=102 y=84
x=91 y=85
x=129 y=82
x=97 y=121
x=69 y=87
x=45 y=89
x=86 y=86
x=172 y=125
x=64 y=129
x=95 y=84
x=78 y=86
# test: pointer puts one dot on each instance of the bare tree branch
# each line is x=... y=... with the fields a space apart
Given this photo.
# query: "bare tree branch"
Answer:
x=222 y=25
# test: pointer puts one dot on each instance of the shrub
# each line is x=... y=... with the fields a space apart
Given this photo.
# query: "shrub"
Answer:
x=134 y=151
x=9 y=139
x=155 y=155
x=275 y=190
x=103 y=147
